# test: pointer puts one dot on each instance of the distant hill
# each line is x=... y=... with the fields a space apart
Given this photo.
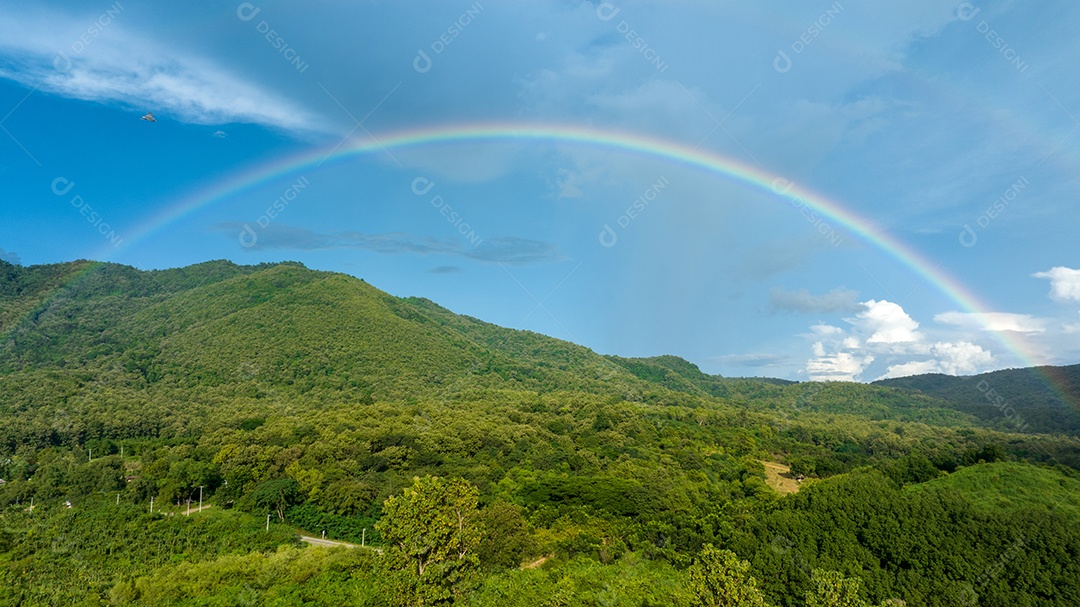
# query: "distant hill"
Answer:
x=216 y=331
x=282 y=325
x=1011 y=400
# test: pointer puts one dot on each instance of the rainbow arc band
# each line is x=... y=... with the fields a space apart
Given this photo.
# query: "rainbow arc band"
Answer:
x=776 y=186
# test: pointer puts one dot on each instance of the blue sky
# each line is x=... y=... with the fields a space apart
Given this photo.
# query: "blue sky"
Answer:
x=920 y=117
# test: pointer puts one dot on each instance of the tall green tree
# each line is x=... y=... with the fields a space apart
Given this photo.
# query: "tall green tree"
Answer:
x=433 y=531
x=719 y=579
x=274 y=496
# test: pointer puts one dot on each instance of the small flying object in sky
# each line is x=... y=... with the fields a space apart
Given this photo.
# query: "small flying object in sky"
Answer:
x=149 y=117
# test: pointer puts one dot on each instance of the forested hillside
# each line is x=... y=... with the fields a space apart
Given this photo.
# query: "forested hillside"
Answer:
x=1041 y=399
x=487 y=466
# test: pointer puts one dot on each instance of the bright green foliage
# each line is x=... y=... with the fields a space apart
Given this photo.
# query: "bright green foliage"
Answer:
x=630 y=581
x=832 y=589
x=719 y=579
x=432 y=531
x=286 y=577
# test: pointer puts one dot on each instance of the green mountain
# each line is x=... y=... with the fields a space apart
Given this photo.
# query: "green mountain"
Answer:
x=292 y=401
x=1040 y=399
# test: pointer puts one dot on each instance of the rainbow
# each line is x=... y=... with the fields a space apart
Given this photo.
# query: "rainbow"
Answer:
x=585 y=136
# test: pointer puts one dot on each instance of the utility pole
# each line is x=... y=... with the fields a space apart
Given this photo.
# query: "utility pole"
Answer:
x=91 y=455
x=268 y=523
x=200 y=498
x=363 y=537
x=151 y=504
x=31 y=505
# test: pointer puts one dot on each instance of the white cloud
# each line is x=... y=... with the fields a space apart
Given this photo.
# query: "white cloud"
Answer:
x=887 y=323
x=993 y=321
x=885 y=333
x=962 y=357
x=1064 y=283
x=119 y=67
x=915 y=367
x=824 y=329
x=951 y=358
x=842 y=366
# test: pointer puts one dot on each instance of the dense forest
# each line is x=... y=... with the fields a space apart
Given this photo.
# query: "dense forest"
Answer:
x=169 y=436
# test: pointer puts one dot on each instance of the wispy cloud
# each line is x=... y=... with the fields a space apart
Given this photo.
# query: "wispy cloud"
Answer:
x=994 y=321
x=103 y=62
x=445 y=270
x=755 y=360
x=505 y=249
x=836 y=300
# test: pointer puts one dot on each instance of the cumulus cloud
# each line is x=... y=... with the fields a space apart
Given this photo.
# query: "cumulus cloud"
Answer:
x=957 y=358
x=994 y=321
x=841 y=366
x=883 y=332
x=961 y=357
x=836 y=300
x=1064 y=283
x=887 y=323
